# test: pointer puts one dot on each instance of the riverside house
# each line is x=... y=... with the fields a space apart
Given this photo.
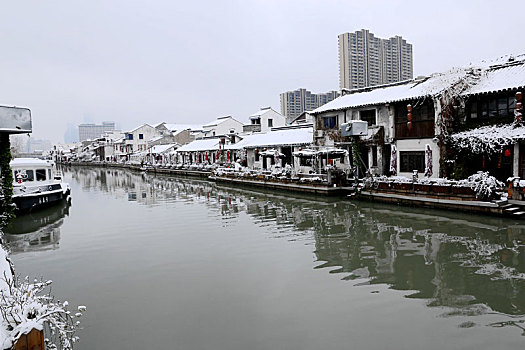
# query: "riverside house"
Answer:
x=449 y=124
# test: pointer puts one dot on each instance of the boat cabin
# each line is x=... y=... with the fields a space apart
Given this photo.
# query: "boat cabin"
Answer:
x=30 y=170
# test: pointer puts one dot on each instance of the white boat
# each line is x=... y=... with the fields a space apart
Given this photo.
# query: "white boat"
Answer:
x=36 y=184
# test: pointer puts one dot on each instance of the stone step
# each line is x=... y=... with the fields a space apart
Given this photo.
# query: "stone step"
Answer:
x=519 y=213
x=504 y=206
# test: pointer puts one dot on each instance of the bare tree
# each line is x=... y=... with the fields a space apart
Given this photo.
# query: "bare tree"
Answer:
x=18 y=144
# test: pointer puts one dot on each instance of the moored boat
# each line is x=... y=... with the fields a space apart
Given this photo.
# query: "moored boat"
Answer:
x=36 y=184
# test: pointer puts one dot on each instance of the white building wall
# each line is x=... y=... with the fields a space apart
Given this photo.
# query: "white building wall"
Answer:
x=418 y=145
x=224 y=127
x=277 y=120
x=148 y=133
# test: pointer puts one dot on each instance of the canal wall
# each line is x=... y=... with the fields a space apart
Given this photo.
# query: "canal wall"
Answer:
x=459 y=202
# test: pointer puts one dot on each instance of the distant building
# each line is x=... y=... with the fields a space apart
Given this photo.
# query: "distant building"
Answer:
x=293 y=103
x=365 y=60
x=38 y=146
x=71 y=133
x=264 y=119
x=94 y=131
x=222 y=126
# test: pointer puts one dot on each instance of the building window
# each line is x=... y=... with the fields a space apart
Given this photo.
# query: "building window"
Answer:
x=368 y=116
x=495 y=107
x=329 y=122
x=270 y=123
x=256 y=155
x=141 y=136
x=304 y=161
x=374 y=155
x=412 y=160
x=129 y=136
x=422 y=120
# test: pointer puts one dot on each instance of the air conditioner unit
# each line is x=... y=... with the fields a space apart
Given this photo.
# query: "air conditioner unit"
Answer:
x=354 y=128
x=319 y=133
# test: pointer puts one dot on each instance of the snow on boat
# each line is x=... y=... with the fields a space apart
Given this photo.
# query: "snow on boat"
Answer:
x=36 y=184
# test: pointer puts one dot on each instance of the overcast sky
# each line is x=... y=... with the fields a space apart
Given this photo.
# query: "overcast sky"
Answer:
x=140 y=62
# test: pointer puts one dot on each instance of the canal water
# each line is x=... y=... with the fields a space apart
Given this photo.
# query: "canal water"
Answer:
x=176 y=263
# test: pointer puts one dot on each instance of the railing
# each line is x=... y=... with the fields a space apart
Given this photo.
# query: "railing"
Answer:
x=251 y=128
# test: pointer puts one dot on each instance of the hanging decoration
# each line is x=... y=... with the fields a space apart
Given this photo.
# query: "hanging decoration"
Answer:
x=393 y=160
x=518 y=110
x=428 y=161
x=409 y=123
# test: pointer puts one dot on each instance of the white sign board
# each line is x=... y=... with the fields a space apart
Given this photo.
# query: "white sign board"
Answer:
x=354 y=128
x=14 y=120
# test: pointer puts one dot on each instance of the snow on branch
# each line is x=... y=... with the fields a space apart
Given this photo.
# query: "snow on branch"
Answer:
x=488 y=139
x=450 y=86
x=24 y=306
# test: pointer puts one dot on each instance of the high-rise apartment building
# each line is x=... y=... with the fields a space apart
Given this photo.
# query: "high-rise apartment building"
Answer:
x=293 y=103
x=365 y=60
x=93 y=131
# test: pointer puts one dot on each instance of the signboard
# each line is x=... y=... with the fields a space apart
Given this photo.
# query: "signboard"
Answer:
x=354 y=128
x=15 y=120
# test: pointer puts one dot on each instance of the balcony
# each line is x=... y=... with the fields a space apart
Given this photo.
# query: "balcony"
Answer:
x=251 y=128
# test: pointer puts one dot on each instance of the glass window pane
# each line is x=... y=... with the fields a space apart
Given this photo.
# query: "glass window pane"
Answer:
x=512 y=103
x=40 y=174
x=492 y=108
x=502 y=106
x=30 y=175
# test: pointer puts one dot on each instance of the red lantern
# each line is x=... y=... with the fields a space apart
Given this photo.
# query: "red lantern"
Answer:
x=409 y=124
x=507 y=152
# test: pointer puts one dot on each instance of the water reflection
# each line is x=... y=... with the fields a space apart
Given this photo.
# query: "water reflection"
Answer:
x=472 y=264
x=36 y=231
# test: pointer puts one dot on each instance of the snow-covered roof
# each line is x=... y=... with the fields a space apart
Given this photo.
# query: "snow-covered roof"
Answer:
x=260 y=112
x=156 y=138
x=373 y=96
x=29 y=162
x=200 y=145
x=505 y=75
x=499 y=78
x=157 y=149
x=218 y=121
x=298 y=136
x=138 y=127
x=181 y=127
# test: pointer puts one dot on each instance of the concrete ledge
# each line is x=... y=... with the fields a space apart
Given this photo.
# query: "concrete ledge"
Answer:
x=479 y=207
x=296 y=187
x=432 y=200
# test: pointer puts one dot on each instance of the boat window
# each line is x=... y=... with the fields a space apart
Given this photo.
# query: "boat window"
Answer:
x=26 y=175
x=49 y=174
x=40 y=174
